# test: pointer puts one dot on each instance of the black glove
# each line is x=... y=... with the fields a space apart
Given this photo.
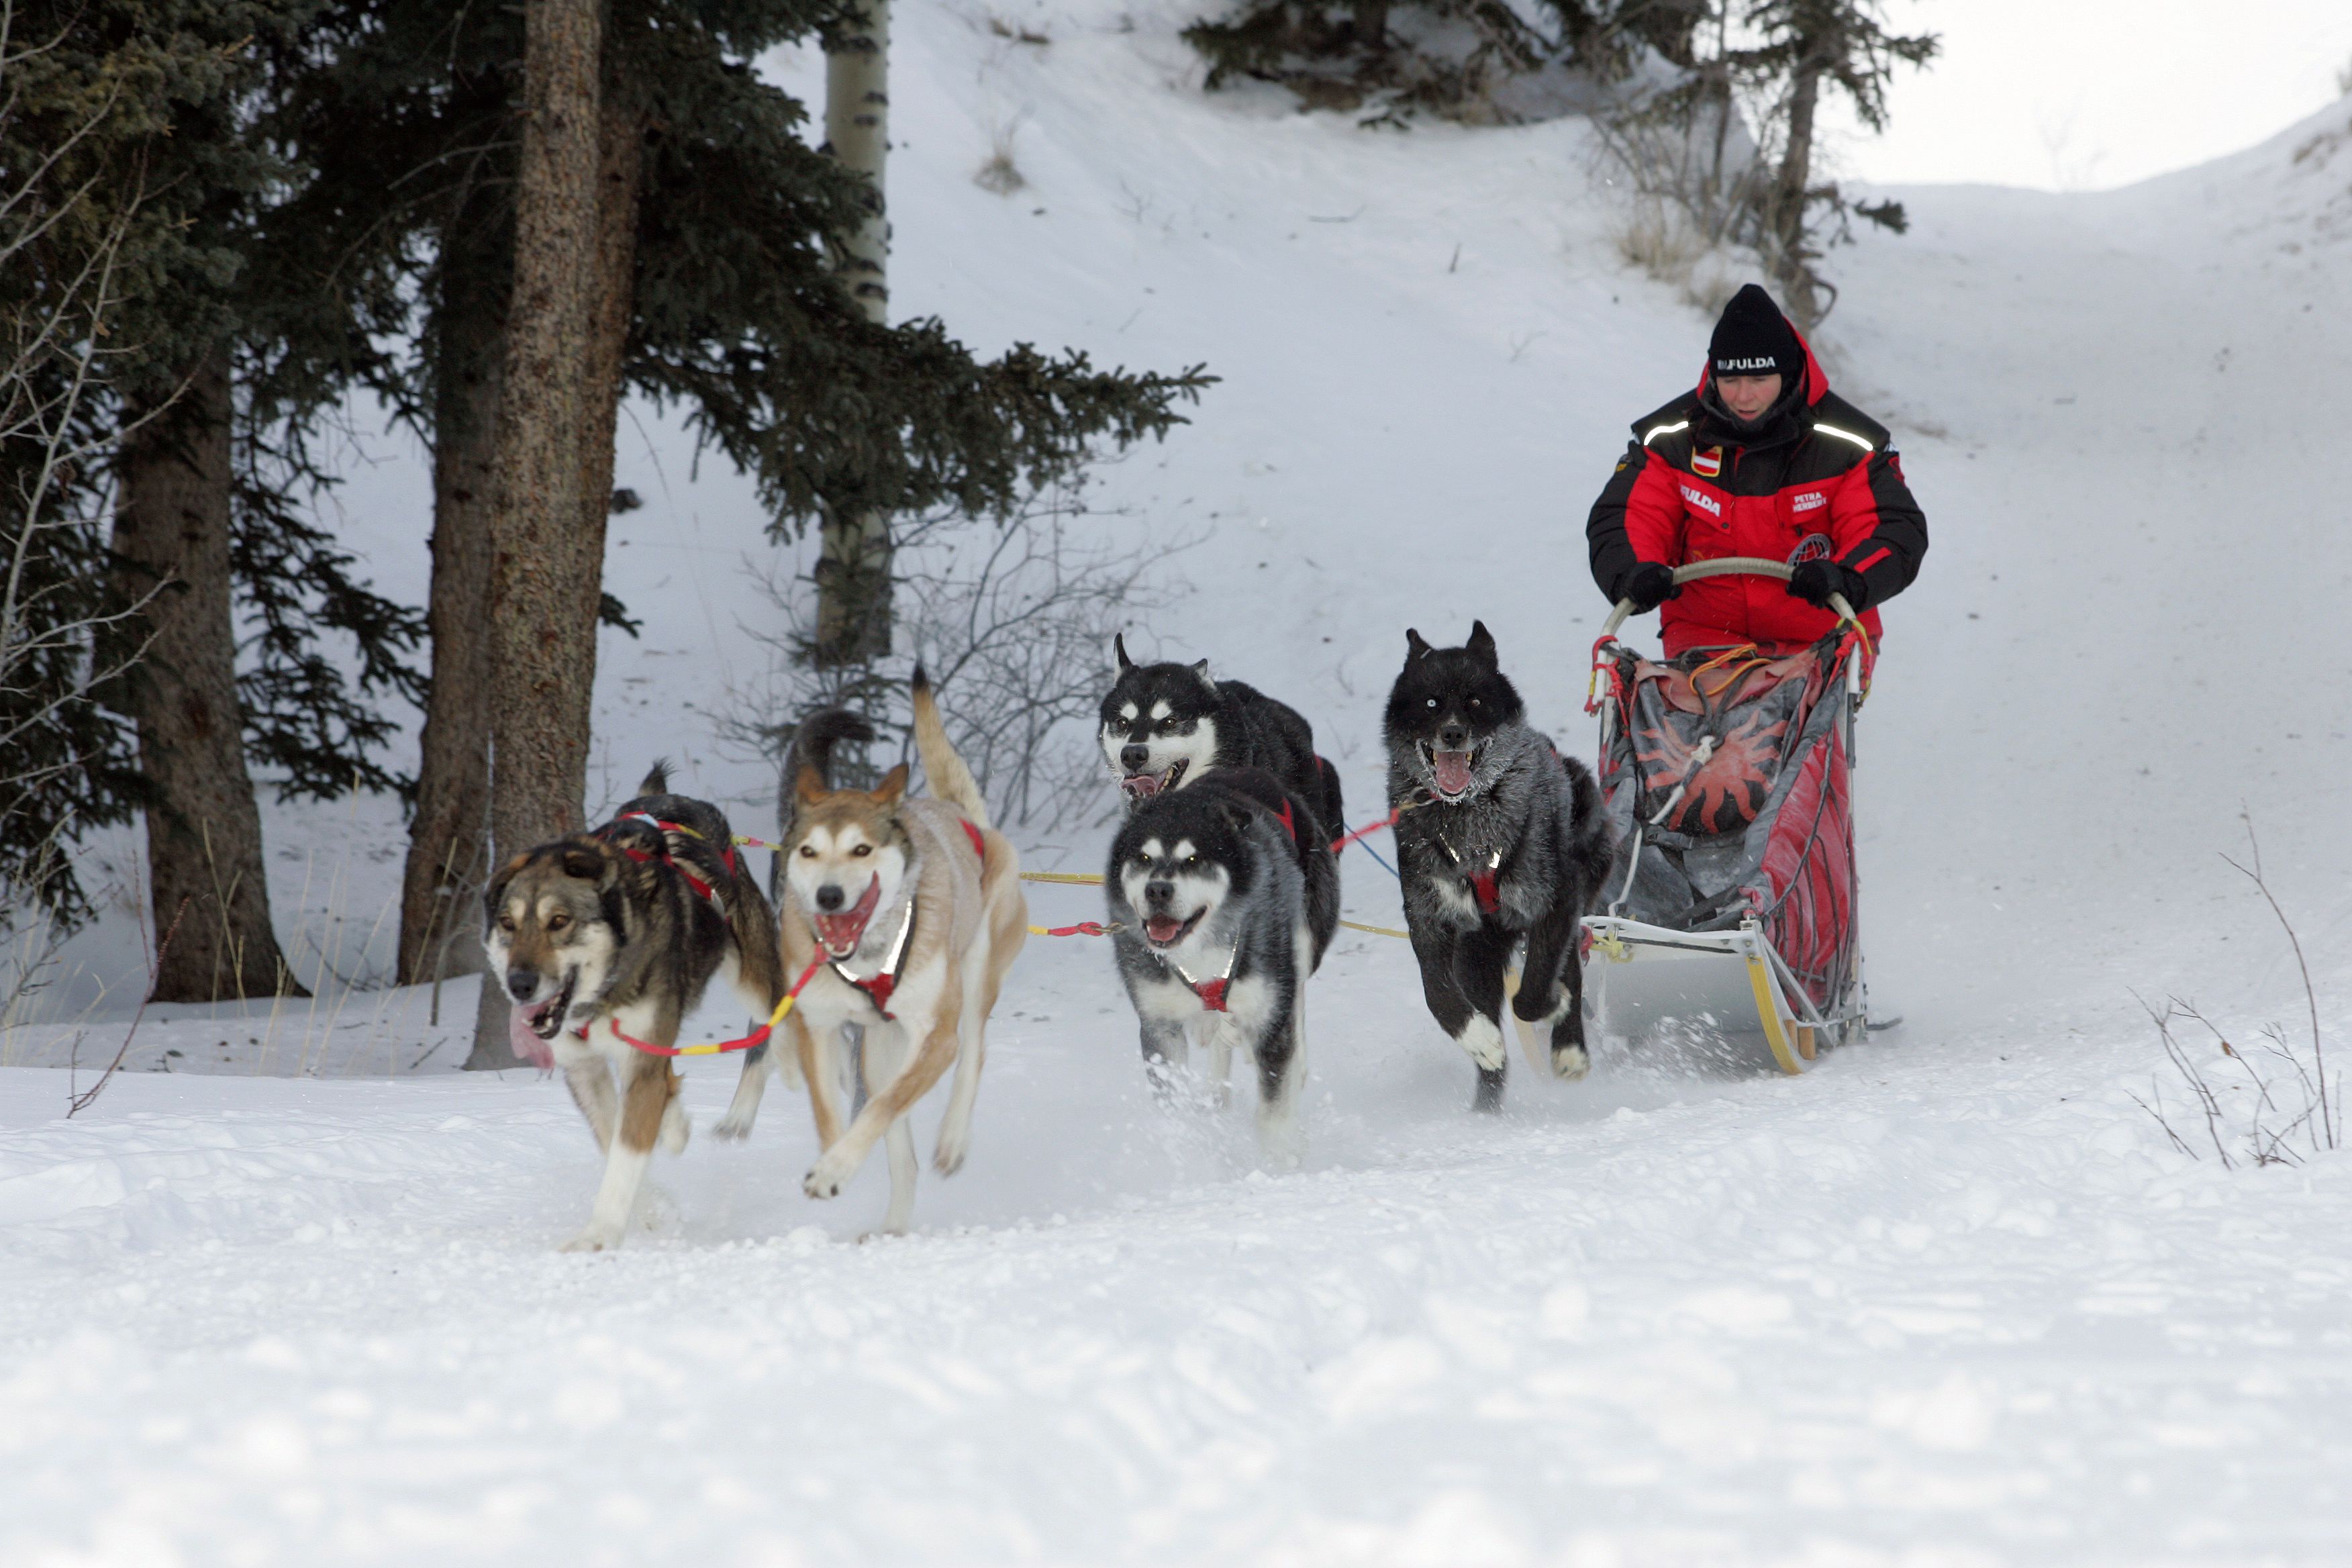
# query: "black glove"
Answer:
x=1648 y=585
x=1816 y=581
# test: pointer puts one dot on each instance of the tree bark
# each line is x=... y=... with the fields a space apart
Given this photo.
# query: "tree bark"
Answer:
x=448 y=846
x=545 y=575
x=619 y=178
x=1787 y=223
x=852 y=571
x=204 y=827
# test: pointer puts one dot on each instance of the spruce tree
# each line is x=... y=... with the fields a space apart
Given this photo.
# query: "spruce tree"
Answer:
x=736 y=320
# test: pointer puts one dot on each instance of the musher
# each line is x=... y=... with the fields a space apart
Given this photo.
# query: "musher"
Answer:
x=1761 y=459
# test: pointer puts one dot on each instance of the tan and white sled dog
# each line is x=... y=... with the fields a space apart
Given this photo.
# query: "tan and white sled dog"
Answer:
x=916 y=908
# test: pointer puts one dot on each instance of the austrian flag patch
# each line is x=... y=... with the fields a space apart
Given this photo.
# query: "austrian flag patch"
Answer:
x=1707 y=465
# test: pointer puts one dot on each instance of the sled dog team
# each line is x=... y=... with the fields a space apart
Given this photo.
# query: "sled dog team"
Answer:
x=901 y=914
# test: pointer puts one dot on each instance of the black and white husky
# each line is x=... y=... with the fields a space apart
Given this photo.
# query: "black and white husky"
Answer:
x=1508 y=846
x=1163 y=725
x=1224 y=896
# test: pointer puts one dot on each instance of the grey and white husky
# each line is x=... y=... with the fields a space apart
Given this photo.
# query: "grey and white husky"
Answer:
x=1164 y=725
x=1507 y=846
x=1226 y=897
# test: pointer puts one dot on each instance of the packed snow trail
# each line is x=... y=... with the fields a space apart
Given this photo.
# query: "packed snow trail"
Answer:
x=1919 y=1307
x=1953 y=1297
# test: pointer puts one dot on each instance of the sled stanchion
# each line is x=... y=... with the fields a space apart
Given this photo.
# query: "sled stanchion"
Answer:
x=1074 y=878
x=1769 y=1012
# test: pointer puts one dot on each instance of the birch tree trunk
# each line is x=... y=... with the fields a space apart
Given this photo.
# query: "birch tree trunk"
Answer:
x=853 y=573
x=545 y=575
x=204 y=828
x=447 y=844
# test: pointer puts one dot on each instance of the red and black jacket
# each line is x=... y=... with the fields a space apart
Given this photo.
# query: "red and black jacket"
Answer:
x=1816 y=477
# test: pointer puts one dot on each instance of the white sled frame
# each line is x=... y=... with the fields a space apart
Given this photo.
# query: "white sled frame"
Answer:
x=1793 y=1027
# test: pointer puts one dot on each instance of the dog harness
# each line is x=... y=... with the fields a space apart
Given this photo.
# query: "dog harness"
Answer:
x=1211 y=992
x=879 y=988
x=725 y=853
x=1482 y=883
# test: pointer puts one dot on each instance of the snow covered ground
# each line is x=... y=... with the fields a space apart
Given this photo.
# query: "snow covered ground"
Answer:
x=1951 y=1299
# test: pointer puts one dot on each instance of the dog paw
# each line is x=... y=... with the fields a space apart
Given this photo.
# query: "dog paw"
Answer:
x=1483 y=1041
x=1571 y=1062
x=676 y=1128
x=825 y=1178
x=735 y=1126
x=947 y=1158
x=595 y=1237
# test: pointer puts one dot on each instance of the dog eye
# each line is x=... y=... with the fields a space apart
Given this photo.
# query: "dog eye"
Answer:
x=558 y=921
x=1432 y=702
x=808 y=851
x=507 y=924
x=1474 y=702
x=863 y=850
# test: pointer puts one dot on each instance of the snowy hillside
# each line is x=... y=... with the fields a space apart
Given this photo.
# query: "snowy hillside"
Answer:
x=1953 y=1297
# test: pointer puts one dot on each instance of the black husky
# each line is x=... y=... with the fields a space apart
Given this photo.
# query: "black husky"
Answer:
x=1165 y=724
x=1226 y=897
x=1509 y=845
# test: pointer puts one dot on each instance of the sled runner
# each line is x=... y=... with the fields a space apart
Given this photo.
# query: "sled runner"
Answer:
x=1728 y=776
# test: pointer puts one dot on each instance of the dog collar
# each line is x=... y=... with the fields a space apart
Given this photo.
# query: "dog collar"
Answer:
x=1211 y=992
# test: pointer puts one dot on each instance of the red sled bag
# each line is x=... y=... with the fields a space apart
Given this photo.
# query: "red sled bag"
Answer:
x=1730 y=772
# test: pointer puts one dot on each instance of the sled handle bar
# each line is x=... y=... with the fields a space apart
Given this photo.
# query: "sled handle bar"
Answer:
x=1727 y=566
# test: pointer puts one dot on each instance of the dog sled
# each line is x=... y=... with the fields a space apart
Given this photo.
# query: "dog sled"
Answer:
x=1728 y=776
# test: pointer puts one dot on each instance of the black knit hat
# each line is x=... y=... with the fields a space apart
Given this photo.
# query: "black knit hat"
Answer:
x=1752 y=338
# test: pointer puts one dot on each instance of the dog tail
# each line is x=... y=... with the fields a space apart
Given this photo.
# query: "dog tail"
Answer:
x=951 y=780
x=657 y=780
x=819 y=734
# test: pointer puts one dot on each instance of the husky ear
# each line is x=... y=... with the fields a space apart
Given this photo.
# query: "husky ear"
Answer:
x=1414 y=647
x=892 y=787
x=1481 y=645
x=583 y=863
x=809 y=788
x=1201 y=670
x=1118 y=648
x=495 y=893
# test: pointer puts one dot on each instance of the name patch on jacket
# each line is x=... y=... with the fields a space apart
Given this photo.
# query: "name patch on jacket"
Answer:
x=1707 y=464
x=1808 y=501
x=1703 y=501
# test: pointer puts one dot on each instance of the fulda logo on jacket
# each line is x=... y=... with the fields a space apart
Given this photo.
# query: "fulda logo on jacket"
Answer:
x=1703 y=501
x=1707 y=464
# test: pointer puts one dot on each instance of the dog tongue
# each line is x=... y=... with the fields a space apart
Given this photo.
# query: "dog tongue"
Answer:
x=1453 y=771
x=1141 y=783
x=1164 y=927
x=526 y=1041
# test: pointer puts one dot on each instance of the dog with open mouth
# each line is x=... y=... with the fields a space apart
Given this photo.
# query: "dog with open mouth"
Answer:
x=1505 y=846
x=1165 y=724
x=601 y=938
x=1222 y=898
x=910 y=911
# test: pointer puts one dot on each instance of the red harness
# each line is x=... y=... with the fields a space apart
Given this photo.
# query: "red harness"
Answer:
x=1211 y=992
x=726 y=852
x=879 y=988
